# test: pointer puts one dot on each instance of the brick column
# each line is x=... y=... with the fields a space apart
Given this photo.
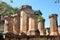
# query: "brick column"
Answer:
x=25 y=10
x=16 y=24
x=33 y=24
x=8 y=26
x=41 y=26
x=53 y=24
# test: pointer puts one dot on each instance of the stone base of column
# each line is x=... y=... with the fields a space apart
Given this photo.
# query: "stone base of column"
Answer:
x=54 y=34
x=33 y=32
x=42 y=34
x=23 y=33
x=19 y=33
x=16 y=33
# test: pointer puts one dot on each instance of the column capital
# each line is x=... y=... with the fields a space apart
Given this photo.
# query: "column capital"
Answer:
x=25 y=7
x=53 y=15
x=41 y=20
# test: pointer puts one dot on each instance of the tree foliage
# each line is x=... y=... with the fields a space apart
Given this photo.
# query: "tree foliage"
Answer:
x=6 y=9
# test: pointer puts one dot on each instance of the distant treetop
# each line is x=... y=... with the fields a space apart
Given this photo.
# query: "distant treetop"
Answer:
x=6 y=9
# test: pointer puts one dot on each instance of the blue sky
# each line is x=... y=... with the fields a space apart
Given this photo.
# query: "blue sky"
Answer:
x=47 y=7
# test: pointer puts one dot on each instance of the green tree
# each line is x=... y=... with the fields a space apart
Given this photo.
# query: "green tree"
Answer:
x=6 y=9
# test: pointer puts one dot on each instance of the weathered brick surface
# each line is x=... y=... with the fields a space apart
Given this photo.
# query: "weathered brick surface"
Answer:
x=8 y=26
x=33 y=24
x=23 y=22
x=41 y=26
x=25 y=10
x=16 y=24
x=53 y=24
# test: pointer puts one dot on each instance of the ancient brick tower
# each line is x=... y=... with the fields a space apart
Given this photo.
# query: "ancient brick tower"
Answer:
x=25 y=11
x=53 y=24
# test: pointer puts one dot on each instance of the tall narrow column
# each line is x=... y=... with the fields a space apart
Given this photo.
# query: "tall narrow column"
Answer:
x=16 y=24
x=25 y=10
x=33 y=24
x=8 y=26
x=41 y=26
x=53 y=24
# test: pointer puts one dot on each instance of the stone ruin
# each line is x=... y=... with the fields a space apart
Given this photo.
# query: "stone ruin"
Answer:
x=27 y=23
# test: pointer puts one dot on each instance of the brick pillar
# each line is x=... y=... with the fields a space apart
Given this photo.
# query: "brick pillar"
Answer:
x=33 y=24
x=16 y=24
x=8 y=26
x=41 y=26
x=53 y=24
x=25 y=10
